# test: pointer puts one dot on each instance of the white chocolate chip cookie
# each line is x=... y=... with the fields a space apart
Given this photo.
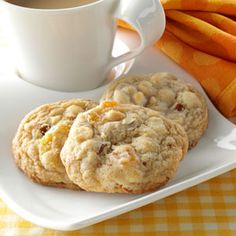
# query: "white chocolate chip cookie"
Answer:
x=123 y=148
x=174 y=98
x=40 y=137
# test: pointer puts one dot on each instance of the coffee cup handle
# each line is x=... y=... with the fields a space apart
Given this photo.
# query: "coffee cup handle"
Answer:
x=147 y=17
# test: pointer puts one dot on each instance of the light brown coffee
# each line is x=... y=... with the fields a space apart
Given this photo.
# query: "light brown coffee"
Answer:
x=51 y=4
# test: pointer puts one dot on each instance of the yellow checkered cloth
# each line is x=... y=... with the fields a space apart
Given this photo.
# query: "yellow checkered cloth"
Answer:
x=206 y=209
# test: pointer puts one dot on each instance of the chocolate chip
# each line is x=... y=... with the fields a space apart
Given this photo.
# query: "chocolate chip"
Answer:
x=144 y=163
x=44 y=128
x=179 y=107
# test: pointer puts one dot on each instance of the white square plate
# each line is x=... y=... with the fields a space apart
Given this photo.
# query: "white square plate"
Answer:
x=68 y=210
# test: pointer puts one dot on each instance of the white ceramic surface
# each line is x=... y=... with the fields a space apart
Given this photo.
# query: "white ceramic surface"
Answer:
x=71 y=49
x=68 y=210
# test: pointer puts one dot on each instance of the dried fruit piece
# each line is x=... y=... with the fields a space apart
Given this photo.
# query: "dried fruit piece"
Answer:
x=44 y=128
x=109 y=104
x=93 y=117
x=102 y=147
x=179 y=107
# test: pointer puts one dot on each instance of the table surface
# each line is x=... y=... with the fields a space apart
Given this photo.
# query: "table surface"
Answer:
x=206 y=209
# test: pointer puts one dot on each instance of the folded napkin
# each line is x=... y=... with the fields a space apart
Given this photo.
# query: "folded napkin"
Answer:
x=200 y=36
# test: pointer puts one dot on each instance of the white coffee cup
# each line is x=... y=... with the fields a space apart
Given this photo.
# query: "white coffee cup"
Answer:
x=71 y=49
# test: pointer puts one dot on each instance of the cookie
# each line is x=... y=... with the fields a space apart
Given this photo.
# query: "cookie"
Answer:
x=40 y=137
x=163 y=92
x=123 y=149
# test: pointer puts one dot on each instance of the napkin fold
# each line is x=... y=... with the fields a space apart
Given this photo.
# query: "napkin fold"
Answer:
x=200 y=36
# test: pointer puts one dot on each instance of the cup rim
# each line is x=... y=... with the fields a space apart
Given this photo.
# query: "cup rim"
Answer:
x=45 y=10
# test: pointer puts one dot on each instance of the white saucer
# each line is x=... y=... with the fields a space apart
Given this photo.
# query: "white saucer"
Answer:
x=68 y=210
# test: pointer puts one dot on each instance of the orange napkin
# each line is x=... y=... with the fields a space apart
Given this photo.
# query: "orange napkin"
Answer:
x=200 y=36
